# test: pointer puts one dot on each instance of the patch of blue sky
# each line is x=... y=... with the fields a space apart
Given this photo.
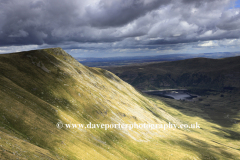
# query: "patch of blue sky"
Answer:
x=235 y=4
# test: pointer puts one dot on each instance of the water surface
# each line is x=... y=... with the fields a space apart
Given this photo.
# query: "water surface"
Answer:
x=177 y=94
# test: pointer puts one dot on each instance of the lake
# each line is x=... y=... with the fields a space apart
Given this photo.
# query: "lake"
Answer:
x=178 y=94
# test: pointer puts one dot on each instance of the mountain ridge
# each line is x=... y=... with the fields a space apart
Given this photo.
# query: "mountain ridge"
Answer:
x=41 y=88
x=197 y=72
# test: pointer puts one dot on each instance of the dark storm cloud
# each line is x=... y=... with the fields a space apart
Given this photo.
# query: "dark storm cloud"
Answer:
x=103 y=24
x=119 y=12
x=33 y=22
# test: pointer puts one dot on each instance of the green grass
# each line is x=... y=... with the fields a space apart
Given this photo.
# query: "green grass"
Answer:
x=33 y=101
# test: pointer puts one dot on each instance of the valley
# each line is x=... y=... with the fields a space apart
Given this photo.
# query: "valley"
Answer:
x=177 y=94
x=41 y=89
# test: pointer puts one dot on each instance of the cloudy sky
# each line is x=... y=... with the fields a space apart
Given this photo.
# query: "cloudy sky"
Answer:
x=103 y=28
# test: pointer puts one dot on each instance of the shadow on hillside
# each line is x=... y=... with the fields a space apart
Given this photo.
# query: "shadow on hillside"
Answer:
x=227 y=133
x=218 y=109
x=203 y=149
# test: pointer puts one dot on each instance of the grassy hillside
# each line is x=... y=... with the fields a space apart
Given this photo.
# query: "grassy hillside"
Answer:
x=41 y=88
x=201 y=73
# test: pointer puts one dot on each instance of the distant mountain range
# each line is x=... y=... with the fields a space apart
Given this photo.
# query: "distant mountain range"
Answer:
x=118 y=61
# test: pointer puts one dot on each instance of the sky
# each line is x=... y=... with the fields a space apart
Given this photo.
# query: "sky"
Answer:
x=108 y=28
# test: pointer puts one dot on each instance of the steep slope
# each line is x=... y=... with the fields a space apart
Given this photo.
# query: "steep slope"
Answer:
x=198 y=73
x=43 y=90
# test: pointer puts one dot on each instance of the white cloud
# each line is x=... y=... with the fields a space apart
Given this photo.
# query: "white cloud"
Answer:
x=208 y=44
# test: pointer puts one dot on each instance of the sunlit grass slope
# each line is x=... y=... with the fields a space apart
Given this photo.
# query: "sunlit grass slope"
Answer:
x=40 y=88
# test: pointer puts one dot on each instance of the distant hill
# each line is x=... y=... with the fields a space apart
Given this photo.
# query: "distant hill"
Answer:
x=202 y=73
x=121 y=61
x=43 y=90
